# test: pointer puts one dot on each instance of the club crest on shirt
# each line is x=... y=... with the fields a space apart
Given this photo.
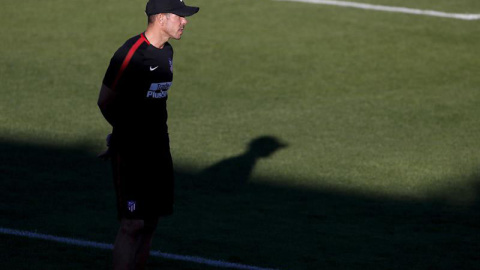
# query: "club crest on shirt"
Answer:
x=131 y=206
x=170 y=63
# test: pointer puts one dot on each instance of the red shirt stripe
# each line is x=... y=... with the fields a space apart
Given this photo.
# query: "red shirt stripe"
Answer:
x=127 y=59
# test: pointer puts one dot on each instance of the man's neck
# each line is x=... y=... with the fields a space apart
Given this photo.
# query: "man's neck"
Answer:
x=155 y=37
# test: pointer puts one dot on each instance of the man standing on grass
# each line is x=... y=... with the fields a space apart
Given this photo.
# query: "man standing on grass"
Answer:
x=133 y=100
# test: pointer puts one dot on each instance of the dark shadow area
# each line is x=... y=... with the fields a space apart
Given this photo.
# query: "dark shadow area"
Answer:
x=223 y=213
x=232 y=173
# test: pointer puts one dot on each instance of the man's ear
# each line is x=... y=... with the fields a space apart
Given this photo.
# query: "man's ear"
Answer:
x=161 y=18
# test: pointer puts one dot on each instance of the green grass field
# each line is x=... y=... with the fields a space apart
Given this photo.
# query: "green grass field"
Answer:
x=380 y=112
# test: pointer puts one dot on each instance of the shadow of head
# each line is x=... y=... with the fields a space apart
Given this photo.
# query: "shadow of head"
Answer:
x=230 y=173
x=265 y=146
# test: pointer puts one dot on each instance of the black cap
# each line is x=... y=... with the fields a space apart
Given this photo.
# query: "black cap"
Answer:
x=176 y=7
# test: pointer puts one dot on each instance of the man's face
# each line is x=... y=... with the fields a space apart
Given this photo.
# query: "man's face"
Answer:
x=174 y=25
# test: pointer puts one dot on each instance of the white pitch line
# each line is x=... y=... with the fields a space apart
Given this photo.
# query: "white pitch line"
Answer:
x=168 y=256
x=460 y=16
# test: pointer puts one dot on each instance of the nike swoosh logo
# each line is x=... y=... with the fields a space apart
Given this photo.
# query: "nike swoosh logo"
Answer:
x=153 y=68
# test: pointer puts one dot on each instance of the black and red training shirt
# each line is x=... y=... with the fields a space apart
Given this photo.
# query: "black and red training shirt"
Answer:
x=141 y=75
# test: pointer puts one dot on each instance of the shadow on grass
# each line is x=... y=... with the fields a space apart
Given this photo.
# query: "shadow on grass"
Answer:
x=221 y=213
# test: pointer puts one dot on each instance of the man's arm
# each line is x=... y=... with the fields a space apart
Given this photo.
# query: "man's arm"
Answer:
x=106 y=100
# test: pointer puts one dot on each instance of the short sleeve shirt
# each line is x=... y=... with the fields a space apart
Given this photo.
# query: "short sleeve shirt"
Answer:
x=141 y=75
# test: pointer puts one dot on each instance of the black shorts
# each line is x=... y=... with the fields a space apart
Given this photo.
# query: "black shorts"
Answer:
x=144 y=182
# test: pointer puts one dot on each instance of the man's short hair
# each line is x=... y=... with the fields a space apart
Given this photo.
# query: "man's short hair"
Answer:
x=153 y=17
